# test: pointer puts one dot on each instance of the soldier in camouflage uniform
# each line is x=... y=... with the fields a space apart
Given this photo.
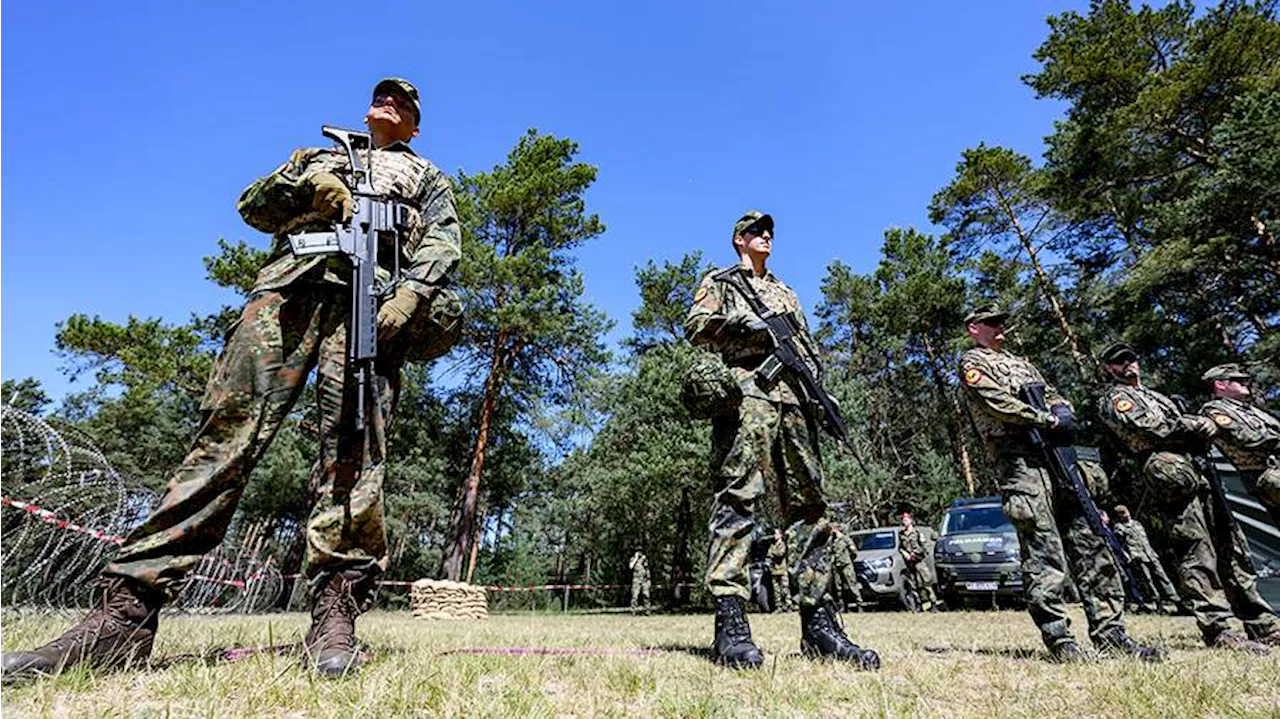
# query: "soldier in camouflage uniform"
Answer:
x=1144 y=562
x=917 y=580
x=773 y=431
x=293 y=322
x=1051 y=529
x=1248 y=435
x=1215 y=579
x=778 y=571
x=844 y=567
x=640 y=586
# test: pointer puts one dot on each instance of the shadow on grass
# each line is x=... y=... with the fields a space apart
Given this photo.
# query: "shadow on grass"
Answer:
x=1005 y=652
x=700 y=651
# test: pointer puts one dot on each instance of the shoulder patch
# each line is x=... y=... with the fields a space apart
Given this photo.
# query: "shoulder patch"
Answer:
x=1123 y=404
x=972 y=375
x=1221 y=420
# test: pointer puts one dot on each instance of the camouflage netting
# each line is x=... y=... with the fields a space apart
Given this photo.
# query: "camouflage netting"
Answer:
x=442 y=599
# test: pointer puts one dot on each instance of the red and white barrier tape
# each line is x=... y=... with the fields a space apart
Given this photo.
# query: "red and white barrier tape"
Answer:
x=48 y=517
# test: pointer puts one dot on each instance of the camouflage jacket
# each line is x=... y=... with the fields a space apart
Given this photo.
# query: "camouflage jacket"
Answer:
x=778 y=556
x=1134 y=538
x=992 y=381
x=716 y=301
x=1249 y=436
x=1149 y=425
x=280 y=204
x=639 y=567
x=912 y=542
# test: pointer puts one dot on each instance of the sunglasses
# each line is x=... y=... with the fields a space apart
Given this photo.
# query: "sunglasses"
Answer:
x=390 y=99
x=757 y=231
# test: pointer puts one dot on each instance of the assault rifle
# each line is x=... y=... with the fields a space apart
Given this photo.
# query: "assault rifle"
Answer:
x=375 y=219
x=1063 y=467
x=787 y=354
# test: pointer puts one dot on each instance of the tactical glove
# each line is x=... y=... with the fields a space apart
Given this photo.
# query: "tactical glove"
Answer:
x=1202 y=427
x=744 y=323
x=1065 y=430
x=332 y=198
x=395 y=312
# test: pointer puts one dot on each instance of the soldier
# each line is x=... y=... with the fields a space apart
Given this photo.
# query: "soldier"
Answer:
x=778 y=571
x=294 y=321
x=845 y=568
x=773 y=429
x=1156 y=432
x=1051 y=528
x=917 y=581
x=1248 y=435
x=639 y=581
x=1144 y=562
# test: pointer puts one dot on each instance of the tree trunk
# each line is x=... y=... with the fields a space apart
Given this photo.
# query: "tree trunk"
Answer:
x=475 y=547
x=464 y=516
x=1050 y=289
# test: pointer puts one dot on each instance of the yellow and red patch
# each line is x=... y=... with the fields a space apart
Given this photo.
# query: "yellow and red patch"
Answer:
x=1123 y=405
x=1221 y=420
x=973 y=375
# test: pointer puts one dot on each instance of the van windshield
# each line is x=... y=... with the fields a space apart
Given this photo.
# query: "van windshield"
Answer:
x=976 y=519
x=874 y=540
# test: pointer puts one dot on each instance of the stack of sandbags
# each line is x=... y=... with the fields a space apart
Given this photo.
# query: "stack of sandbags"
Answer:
x=442 y=599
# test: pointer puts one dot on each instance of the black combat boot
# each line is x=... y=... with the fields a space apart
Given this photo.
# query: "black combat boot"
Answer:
x=330 y=643
x=1118 y=642
x=821 y=637
x=1226 y=639
x=119 y=631
x=1068 y=652
x=1269 y=636
x=733 y=645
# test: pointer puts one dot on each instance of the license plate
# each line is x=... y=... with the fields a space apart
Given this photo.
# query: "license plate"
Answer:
x=981 y=586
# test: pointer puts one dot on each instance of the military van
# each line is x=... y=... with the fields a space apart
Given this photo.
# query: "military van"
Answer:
x=977 y=555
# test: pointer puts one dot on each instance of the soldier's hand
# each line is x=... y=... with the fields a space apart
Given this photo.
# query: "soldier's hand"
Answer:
x=332 y=197
x=395 y=312
x=1201 y=426
x=744 y=323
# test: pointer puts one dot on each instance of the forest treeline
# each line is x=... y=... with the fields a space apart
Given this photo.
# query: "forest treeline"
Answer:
x=533 y=453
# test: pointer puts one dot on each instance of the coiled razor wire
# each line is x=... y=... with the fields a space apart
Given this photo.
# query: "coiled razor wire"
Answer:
x=64 y=511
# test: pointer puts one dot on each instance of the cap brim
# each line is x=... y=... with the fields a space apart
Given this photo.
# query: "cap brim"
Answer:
x=1122 y=358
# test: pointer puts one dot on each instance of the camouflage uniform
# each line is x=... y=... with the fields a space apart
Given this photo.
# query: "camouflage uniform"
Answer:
x=295 y=321
x=640 y=586
x=1157 y=433
x=917 y=580
x=1052 y=531
x=1144 y=562
x=845 y=569
x=771 y=431
x=779 y=572
x=1249 y=436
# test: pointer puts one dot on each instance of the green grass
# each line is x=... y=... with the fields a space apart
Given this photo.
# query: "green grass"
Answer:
x=959 y=664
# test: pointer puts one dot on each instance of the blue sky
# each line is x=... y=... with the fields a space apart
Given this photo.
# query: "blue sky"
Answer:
x=133 y=127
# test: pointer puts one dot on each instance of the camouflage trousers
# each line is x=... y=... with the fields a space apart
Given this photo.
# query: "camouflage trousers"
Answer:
x=768 y=438
x=1052 y=532
x=260 y=374
x=1154 y=582
x=782 y=592
x=640 y=592
x=1216 y=574
x=918 y=587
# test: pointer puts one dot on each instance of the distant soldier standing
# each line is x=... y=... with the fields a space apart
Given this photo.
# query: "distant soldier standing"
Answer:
x=844 y=566
x=639 y=581
x=1051 y=528
x=1215 y=578
x=778 y=570
x=1248 y=435
x=1144 y=562
x=294 y=321
x=917 y=580
x=773 y=430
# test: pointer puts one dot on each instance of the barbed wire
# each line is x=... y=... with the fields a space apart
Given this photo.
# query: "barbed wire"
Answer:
x=65 y=511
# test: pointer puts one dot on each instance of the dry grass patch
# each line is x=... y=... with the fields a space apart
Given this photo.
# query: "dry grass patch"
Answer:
x=961 y=664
